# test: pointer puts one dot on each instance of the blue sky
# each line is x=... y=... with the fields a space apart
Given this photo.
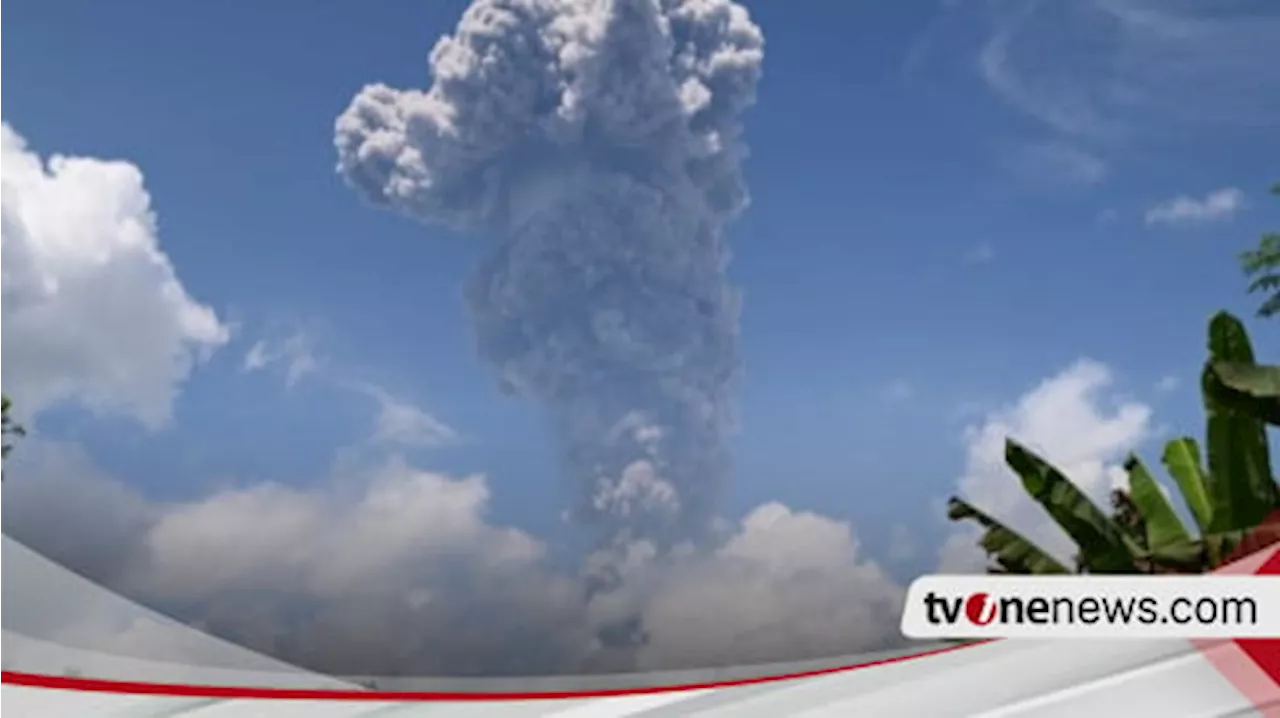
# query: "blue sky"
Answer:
x=930 y=235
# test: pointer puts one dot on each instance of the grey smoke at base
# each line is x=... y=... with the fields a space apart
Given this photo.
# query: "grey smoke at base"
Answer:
x=598 y=142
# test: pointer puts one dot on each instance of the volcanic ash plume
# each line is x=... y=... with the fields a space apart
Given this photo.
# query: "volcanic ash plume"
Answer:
x=598 y=142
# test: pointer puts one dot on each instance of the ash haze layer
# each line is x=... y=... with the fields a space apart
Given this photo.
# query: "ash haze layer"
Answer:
x=597 y=143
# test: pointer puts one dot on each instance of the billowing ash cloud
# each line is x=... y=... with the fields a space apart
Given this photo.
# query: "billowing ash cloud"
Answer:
x=598 y=142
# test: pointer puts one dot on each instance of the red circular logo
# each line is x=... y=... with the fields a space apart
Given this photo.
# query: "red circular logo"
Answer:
x=979 y=609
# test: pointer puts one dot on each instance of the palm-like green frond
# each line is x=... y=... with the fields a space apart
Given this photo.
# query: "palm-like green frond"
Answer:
x=1163 y=528
x=1104 y=546
x=1011 y=551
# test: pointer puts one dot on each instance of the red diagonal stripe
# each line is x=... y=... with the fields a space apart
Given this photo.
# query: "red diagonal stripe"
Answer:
x=1250 y=665
x=1266 y=651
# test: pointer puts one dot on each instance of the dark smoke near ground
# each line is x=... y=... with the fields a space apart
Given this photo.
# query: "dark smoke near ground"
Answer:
x=597 y=143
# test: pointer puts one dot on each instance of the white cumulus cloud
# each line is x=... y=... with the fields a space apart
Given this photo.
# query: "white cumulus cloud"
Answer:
x=377 y=569
x=903 y=545
x=93 y=310
x=388 y=568
x=783 y=584
x=386 y=529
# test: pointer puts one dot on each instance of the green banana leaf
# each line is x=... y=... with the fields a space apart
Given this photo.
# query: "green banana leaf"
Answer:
x=1104 y=546
x=1188 y=556
x=1164 y=529
x=1241 y=487
x=1182 y=460
x=8 y=428
x=1252 y=389
x=1013 y=552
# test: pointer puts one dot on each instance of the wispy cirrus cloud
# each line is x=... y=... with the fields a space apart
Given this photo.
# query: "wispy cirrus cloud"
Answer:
x=1053 y=163
x=1050 y=97
x=399 y=422
x=294 y=352
x=1096 y=75
x=1108 y=69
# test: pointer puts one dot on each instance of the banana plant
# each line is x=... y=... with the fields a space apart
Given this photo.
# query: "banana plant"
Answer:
x=1104 y=544
x=1143 y=533
x=1241 y=487
x=1010 y=550
x=1229 y=500
x=8 y=428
